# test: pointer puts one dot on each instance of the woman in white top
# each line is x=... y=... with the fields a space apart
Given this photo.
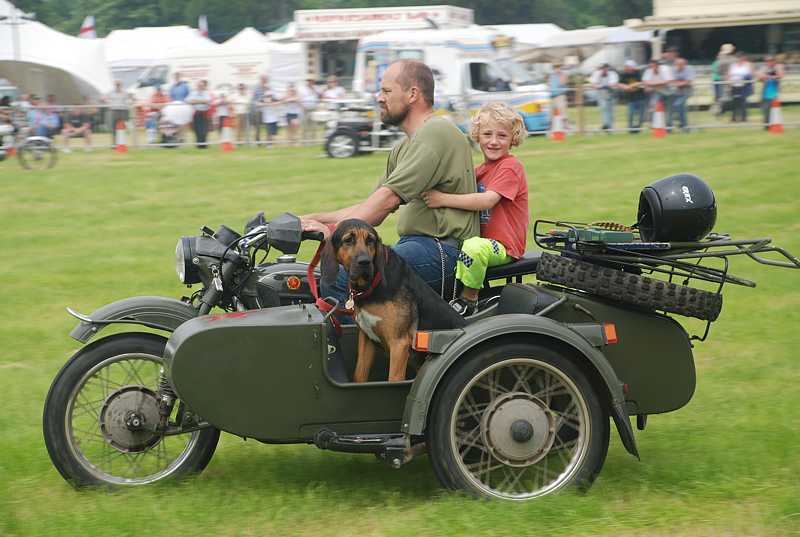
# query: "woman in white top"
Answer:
x=333 y=93
x=222 y=110
x=291 y=103
x=200 y=100
x=240 y=101
x=740 y=78
x=270 y=114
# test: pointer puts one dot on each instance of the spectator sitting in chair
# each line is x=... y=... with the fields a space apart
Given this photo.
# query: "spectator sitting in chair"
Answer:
x=78 y=124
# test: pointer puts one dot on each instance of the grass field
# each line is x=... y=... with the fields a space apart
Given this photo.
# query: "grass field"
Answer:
x=102 y=226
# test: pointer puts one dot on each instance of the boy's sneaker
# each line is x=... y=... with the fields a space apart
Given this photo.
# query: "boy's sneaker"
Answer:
x=464 y=307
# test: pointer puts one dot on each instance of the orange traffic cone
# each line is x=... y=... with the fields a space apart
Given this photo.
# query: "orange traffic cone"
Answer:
x=775 y=120
x=11 y=151
x=557 y=126
x=658 y=126
x=121 y=136
x=227 y=144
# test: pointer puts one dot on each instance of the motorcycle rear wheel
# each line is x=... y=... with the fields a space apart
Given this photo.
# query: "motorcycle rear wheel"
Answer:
x=89 y=411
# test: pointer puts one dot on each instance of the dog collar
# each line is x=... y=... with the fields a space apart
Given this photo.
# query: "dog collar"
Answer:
x=360 y=295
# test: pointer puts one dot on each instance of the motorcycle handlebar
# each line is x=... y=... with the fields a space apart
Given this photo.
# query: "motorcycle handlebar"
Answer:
x=313 y=235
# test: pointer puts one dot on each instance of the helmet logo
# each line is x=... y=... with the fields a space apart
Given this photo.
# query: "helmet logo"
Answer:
x=686 y=194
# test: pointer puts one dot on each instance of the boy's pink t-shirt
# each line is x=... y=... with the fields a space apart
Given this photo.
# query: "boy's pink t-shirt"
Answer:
x=507 y=221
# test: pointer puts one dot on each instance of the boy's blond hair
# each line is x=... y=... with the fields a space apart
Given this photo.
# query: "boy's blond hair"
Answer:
x=503 y=114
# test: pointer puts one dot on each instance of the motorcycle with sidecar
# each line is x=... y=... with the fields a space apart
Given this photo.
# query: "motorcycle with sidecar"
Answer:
x=515 y=405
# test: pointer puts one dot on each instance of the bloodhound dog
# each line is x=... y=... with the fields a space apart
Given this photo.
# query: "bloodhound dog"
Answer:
x=390 y=301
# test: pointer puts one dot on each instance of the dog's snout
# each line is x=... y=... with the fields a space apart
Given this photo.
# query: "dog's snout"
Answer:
x=363 y=261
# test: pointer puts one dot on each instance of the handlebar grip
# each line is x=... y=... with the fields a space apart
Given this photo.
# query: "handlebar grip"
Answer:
x=313 y=235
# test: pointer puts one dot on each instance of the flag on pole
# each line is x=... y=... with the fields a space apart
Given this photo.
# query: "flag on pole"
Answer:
x=202 y=26
x=87 y=28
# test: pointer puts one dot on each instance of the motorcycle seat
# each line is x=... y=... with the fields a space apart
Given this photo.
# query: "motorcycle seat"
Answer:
x=521 y=267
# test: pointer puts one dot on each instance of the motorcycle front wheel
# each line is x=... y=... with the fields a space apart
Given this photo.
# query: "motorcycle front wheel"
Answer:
x=100 y=416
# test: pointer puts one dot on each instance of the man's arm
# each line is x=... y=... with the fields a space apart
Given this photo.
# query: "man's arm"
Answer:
x=372 y=210
x=469 y=202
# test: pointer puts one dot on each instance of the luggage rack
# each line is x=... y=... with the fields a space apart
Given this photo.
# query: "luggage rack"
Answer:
x=621 y=247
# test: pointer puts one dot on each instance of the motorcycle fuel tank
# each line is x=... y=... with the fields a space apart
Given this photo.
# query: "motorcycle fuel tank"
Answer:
x=261 y=374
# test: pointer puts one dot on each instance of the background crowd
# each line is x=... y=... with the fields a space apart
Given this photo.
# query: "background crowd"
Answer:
x=670 y=81
x=255 y=114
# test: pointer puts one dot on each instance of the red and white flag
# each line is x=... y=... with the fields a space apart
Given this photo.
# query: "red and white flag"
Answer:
x=202 y=26
x=87 y=28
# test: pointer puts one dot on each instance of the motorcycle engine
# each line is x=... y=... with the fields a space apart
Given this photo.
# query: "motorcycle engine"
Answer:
x=282 y=283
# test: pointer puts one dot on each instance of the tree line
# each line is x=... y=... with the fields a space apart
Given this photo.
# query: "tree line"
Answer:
x=227 y=17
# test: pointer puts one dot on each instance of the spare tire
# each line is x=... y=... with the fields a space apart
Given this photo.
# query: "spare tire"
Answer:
x=629 y=288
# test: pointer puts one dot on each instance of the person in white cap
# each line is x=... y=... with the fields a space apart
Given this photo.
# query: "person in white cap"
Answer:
x=719 y=77
x=632 y=94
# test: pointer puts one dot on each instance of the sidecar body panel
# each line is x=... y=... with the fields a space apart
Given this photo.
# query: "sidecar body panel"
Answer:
x=261 y=374
x=653 y=356
x=649 y=370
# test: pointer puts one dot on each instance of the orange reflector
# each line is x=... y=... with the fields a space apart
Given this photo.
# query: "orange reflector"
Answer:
x=610 y=332
x=421 y=341
x=293 y=283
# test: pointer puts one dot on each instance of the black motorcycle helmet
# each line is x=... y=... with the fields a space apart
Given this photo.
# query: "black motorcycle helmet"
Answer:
x=678 y=208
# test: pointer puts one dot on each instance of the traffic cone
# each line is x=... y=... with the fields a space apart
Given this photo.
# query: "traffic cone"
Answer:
x=11 y=151
x=775 y=120
x=120 y=136
x=658 y=126
x=557 y=127
x=227 y=144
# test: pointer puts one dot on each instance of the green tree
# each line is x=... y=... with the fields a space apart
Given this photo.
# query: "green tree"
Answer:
x=226 y=17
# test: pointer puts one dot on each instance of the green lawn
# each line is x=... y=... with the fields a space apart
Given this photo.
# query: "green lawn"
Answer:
x=102 y=226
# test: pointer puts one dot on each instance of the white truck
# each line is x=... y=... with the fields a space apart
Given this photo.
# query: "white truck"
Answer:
x=471 y=66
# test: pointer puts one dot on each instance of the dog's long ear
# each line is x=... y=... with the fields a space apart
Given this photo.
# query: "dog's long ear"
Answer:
x=328 y=265
x=381 y=255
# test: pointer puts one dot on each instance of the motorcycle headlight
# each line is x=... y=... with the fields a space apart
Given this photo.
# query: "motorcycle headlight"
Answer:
x=184 y=266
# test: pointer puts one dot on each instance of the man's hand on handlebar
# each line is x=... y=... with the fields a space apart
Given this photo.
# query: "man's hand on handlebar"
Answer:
x=314 y=225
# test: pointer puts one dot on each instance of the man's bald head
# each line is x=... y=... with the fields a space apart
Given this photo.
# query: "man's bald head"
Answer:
x=416 y=73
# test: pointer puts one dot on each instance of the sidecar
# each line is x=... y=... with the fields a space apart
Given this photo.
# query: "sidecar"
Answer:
x=515 y=405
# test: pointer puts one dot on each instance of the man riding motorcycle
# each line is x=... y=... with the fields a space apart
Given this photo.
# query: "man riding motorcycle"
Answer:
x=434 y=156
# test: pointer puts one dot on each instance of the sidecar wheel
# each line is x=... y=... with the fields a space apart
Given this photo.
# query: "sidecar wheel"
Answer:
x=516 y=422
x=99 y=410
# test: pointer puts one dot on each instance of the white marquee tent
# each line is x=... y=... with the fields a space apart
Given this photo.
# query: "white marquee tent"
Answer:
x=593 y=46
x=40 y=60
x=248 y=38
x=130 y=52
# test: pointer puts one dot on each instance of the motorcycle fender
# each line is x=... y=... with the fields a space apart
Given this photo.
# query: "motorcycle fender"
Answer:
x=153 y=311
x=516 y=325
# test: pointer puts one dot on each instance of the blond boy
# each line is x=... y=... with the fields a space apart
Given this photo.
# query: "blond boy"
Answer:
x=502 y=200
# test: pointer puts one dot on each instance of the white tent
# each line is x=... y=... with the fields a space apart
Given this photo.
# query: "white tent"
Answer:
x=131 y=52
x=594 y=46
x=527 y=36
x=40 y=60
x=248 y=38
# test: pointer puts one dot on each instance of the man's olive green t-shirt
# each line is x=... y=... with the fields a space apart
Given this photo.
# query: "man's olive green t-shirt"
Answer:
x=436 y=157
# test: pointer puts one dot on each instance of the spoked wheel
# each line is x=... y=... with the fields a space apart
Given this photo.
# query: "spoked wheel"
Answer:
x=37 y=153
x=517 y=422
x=342 y=145
x=101 y=414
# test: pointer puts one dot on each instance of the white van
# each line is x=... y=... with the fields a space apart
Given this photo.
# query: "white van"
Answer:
x=471 y=66
x=224 y=68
